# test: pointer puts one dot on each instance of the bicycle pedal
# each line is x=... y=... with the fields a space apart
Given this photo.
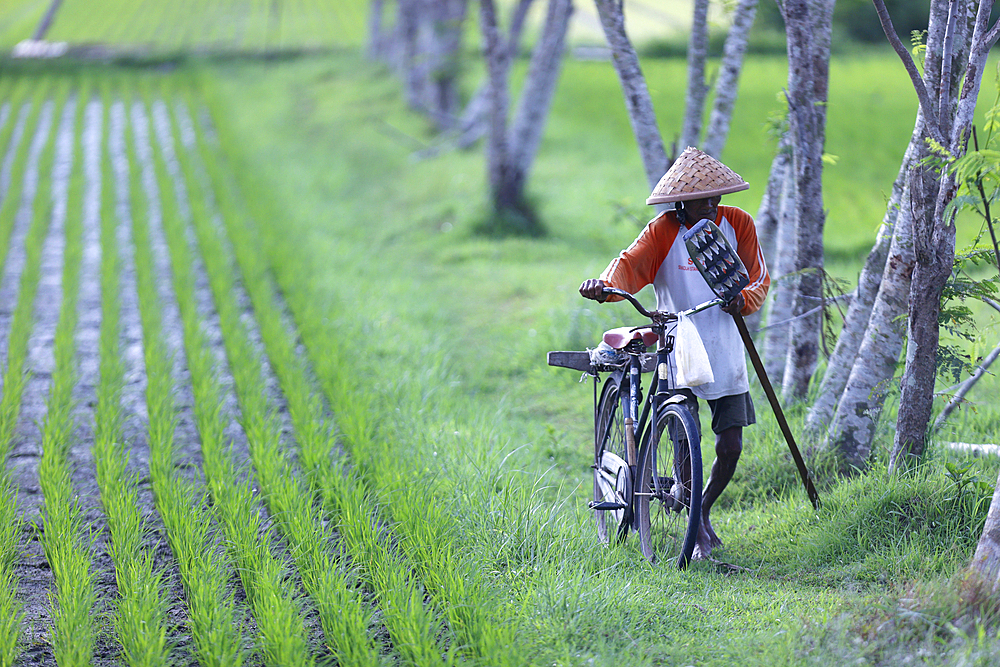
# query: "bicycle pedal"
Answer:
x=606 y=505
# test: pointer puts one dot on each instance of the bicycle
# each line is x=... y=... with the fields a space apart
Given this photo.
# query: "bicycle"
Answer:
x=645 y=483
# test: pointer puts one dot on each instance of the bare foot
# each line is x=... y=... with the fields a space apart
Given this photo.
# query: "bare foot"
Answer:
x=714 y=540
x=702 y=544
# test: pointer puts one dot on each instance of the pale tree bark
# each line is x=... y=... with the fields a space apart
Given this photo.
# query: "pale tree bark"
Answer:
x=779 y=309
x=727 y=84
x=986 y=561
x=808 y=25
x=407 y=50
x=444 y=45
x=376 y=37
x=510 y=152
x=697 y=89
x=855 y=419
x=637 y=100
x=474 y=121
x=768 y=214
x=852 y=428
x=540 y=84
x=845 y=353
x=498 y=75
x=424 y=50
x=963 y=63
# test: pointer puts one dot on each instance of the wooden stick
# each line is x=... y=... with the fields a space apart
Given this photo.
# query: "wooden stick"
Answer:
x=776 y=407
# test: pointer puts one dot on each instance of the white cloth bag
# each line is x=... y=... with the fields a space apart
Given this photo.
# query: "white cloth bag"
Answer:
x=693 y=367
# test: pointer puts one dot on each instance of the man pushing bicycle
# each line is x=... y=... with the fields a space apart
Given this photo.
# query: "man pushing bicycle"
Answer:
x=659 y=257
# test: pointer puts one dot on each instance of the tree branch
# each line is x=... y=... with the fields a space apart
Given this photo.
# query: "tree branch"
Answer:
x=964 y=388
x=933 y=127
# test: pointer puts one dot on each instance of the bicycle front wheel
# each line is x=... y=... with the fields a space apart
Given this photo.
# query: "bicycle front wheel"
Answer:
x=669 y=489
x=612 y=483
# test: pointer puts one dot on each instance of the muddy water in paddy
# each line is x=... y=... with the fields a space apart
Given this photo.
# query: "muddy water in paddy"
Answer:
x=104 y=133
x=33 y=574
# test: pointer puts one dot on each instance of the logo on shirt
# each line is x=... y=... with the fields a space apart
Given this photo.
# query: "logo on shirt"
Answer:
x=690 y=266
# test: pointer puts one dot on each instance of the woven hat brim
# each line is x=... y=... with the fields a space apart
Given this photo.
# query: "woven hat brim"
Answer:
x=704 y=194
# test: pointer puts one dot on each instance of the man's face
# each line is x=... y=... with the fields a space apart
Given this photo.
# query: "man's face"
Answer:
x=699 y=209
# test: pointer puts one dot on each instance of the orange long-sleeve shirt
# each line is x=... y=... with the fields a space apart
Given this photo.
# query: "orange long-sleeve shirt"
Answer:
x=659 y=257
x=639 y=264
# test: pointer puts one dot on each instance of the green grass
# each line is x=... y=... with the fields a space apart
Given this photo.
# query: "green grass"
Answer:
x=446 y=385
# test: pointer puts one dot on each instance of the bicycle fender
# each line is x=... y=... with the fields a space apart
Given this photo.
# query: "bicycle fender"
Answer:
x=676 y=398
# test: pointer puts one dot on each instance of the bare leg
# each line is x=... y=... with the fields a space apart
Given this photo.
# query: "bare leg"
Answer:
x=728 y=447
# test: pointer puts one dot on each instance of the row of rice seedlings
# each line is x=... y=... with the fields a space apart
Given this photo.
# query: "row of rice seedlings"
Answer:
x=13 y=387
x=25 y=125
x=139 y=618
x=282 y=633
x=343 y=615
x=411 y=625
x=422 y=518
x=223 y=25
x=15 y=112
x=10 y=606
x=216 y=630
x=22 y=319
x=67 y=547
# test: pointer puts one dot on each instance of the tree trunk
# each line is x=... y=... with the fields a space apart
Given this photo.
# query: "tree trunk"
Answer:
x=769 y=213
x=838 y=368
x=852 y=427
x=727 y=85
x=473 y=124
x=807 y=24
x=443 y=55
x=510 y=155
x=917 y=396
x=540 y=84
x=376 y=40
x=498 y=71
x=780 y=309
x=986 y=561
x=856 y=415
x=637 y=100
x=963 y=61
x=409 y=61
x=694 y=100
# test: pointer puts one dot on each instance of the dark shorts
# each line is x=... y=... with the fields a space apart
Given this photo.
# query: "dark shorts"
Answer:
x=727 y=412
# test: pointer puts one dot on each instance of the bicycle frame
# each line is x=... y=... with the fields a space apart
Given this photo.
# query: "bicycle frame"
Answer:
x=661 y=386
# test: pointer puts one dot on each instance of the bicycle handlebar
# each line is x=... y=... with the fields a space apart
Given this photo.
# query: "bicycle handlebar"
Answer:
x=660 y=315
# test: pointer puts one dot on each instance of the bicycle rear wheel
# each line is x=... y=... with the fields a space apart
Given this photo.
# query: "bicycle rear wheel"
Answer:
x=669 y=488
x=612 y=484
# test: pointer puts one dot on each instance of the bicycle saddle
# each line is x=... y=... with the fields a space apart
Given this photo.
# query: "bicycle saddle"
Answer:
x=622 y=336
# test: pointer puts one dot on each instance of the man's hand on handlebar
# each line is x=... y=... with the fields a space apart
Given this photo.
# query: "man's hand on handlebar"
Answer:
x=733 y=307
x=593 y=289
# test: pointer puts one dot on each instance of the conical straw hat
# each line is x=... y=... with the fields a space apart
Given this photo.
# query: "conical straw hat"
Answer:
x=696 y=175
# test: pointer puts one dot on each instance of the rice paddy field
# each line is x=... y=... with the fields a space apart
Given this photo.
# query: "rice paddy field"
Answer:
x=269 y=399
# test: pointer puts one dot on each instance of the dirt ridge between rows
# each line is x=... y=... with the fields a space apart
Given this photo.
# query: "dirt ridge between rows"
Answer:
x=33 y=574
x=213 y=329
